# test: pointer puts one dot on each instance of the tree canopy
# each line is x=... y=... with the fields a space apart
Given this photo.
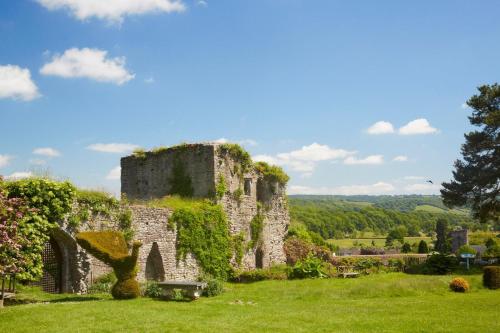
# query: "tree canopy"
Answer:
x=476 y=178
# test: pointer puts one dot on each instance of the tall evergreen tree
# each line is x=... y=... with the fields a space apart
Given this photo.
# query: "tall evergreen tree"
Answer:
x=422 y=247
x=476 y=180
x=442 y=239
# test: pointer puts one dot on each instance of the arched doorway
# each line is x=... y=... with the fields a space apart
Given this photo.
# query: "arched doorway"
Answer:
x=51 y=280
x=259 y=258
x=154 y=264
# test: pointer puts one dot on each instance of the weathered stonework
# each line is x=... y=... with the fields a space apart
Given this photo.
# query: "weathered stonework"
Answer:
x=247 y=194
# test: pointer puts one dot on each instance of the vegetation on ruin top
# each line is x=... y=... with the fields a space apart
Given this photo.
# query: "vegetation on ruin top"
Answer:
x=272 y=172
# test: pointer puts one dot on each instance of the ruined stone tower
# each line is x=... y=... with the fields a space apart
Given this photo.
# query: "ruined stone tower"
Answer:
x=199 y=170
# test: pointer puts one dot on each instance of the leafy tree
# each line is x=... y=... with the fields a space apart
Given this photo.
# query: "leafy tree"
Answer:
x=442 y=239
x=398 y=233
x=476 y=180
x=406 y=248
x=422 y=247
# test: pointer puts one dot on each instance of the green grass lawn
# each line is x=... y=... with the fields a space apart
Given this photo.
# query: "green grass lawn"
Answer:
x=392 y=302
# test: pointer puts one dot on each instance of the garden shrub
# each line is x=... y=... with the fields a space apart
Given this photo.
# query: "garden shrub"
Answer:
x=214 y=287
x=296 y=249
x=152 y=290
x=310 y=267
x=277 y=272
x=466 y=249
x=491 y=277
x=406 y=248
x=103 y=284
x=111 y=248
x=459 y=284
x=440 y=264
x=371 y=250
x=396 y=264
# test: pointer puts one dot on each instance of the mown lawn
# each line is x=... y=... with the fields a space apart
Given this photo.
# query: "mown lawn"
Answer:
x=380 y=303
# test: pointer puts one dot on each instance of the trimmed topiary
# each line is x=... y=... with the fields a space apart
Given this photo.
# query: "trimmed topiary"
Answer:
x=491 y=277
x=110 y=247
x=459 y=285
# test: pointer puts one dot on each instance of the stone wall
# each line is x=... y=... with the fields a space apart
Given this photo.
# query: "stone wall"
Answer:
x=159 y=246
x=149 y=177
x=240 y=210
x=459 y=238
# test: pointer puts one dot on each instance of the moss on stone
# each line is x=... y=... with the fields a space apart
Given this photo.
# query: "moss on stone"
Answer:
x=272 y=173
x=111 y=248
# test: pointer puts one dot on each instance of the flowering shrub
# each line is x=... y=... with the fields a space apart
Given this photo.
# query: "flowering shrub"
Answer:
x=459 y=285
x=12 y=212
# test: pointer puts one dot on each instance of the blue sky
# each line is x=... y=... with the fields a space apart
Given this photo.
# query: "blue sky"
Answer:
x=304 y=84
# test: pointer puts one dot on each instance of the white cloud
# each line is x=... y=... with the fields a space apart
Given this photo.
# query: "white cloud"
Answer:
x=464 y=106
x=37 y=161
x=47 y=151
x=423 y=188
x=381 y=127
x=305 y=159
x=400 y=158
x=5 y=160
x=369 y=160
x=116 y=148
x=315 y=152
x=414 y=178
x=245 y=142
x=88 y=63
x=149 y=80
x=113 y=11
x=371 y=189
x=19 y=175
x=16 y=83
x=202 y=3
x=114 y=174
x=417 y=126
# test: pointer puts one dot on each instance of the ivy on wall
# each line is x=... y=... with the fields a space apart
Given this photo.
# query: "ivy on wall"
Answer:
x=256 y=228
x=202 y=230
x=220 y=187
x=49 y=202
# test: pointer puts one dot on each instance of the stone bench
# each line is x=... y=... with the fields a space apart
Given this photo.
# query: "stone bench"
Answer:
x=190 y=289
x=347 y=271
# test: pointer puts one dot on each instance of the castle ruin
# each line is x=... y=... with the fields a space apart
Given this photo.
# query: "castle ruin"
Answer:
x=195 y=170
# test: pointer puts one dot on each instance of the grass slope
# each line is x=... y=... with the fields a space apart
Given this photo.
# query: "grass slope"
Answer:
x=379 y=303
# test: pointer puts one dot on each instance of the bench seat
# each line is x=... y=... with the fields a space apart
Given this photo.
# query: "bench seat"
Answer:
x=191 y=289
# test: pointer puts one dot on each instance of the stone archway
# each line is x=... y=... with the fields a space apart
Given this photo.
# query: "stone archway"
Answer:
x=154 y=264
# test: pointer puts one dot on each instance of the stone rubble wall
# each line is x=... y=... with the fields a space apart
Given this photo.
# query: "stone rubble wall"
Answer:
x=240 y=212
x=149 y=177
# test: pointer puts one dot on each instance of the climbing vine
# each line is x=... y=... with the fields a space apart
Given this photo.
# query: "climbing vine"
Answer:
x=203 y=231
x=48 y=202
x=256 y=228
x=220 y=187
x=238 y=248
